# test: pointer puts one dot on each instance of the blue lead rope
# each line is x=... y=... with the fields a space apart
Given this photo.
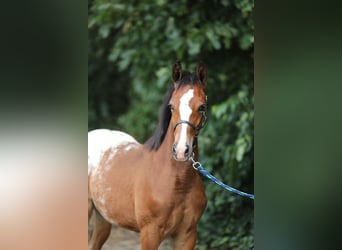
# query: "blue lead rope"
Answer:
x=198 y=166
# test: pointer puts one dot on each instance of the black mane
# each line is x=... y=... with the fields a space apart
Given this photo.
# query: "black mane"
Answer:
x=164 y=112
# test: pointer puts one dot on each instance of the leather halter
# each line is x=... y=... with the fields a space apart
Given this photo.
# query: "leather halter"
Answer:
x=198 y=128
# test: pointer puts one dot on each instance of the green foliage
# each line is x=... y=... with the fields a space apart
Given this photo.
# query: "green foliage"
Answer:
x=228 y=220
x=132 y=47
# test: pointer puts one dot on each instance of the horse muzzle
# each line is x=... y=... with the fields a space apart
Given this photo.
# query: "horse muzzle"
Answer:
x=181 y=152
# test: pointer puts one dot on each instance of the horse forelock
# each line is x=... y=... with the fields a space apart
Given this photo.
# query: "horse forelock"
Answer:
x=187 y=79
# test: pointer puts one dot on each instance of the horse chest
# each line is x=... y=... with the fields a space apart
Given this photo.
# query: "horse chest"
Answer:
x=176 y=208
x=183 y=213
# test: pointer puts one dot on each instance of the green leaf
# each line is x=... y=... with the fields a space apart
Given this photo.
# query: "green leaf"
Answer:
x=104 y=31
x=213 y=39
x=194 y=48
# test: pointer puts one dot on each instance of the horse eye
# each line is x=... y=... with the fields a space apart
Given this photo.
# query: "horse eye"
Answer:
x=171 y=107
x=202 y=108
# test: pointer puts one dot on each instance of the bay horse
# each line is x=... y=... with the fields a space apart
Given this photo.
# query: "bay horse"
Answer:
x=152 y=188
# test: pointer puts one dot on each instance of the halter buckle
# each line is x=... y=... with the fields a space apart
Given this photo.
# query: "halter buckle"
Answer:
x=195 y=164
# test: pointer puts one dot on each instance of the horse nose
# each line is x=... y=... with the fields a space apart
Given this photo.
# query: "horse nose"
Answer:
x=181 y=153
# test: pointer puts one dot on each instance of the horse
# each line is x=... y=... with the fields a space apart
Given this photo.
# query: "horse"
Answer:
x=152 y=188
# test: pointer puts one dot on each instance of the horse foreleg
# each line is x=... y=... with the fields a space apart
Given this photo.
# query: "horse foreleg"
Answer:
x=101 y=231
x=185 y=241
x=149 y=237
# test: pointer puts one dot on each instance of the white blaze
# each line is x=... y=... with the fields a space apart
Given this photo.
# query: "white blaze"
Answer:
x=185 y=113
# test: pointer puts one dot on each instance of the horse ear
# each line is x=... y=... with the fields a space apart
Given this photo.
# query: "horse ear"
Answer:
x=177 y=72
x=201 y=73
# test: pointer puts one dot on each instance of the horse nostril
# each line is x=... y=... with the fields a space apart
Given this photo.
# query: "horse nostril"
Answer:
x=186 y=153
x=174 y=149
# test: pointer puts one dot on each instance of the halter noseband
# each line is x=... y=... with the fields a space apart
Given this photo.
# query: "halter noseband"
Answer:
x=197 y=129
